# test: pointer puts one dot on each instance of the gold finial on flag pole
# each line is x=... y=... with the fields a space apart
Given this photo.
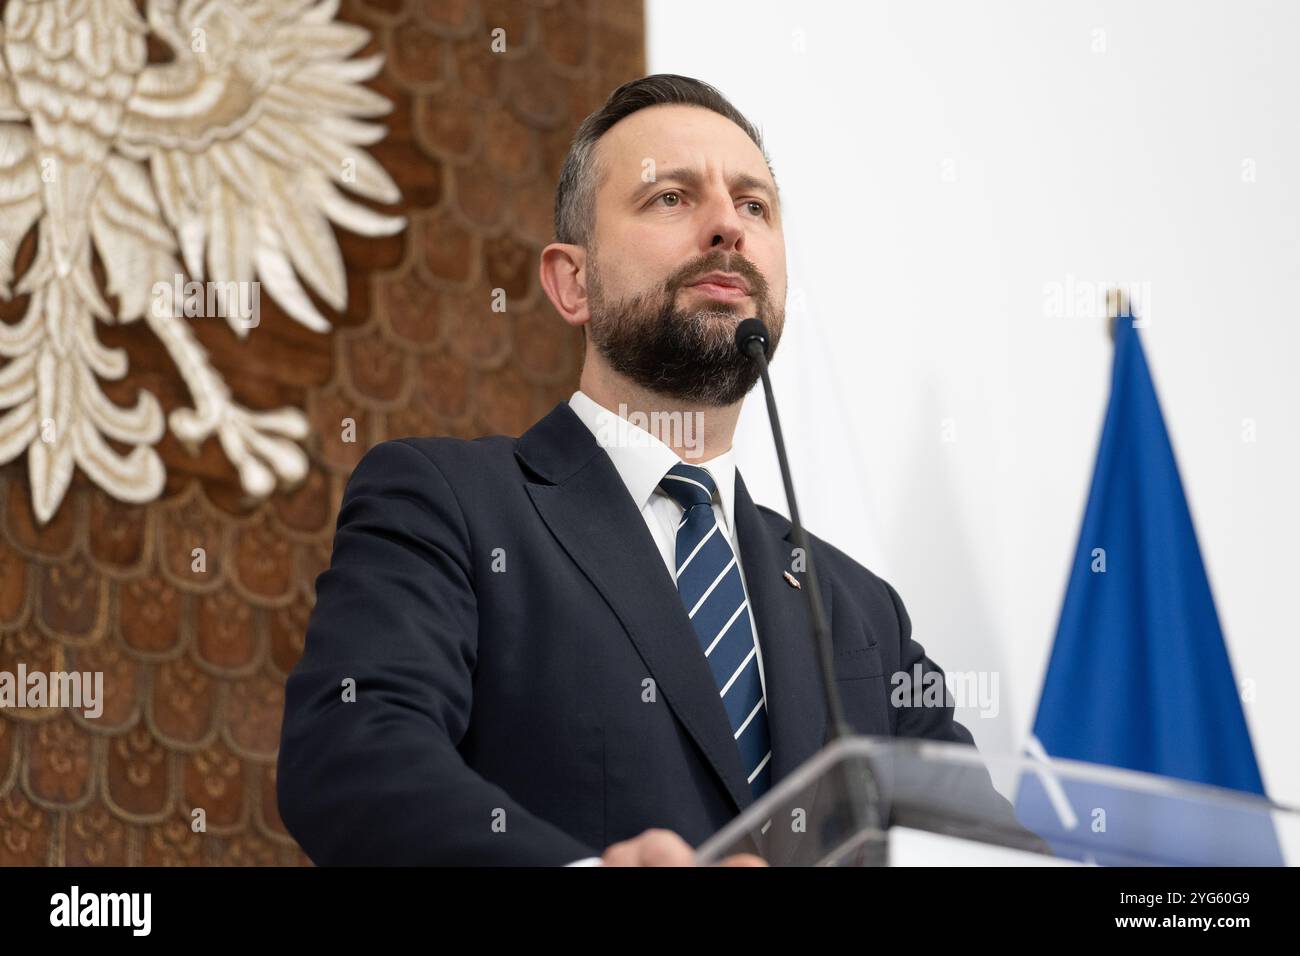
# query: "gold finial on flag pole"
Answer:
x=1117 y=304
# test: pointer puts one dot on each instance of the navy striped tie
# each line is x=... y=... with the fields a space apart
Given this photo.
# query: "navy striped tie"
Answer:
x=708 y=579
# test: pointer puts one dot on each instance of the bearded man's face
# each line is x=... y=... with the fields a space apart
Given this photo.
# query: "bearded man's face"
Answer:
x=683 y=192
x=677 y=338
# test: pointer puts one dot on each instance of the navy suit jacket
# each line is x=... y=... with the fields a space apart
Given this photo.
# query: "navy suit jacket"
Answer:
x=528 y=688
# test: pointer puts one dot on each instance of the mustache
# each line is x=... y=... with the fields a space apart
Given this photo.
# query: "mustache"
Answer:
x=721 y=262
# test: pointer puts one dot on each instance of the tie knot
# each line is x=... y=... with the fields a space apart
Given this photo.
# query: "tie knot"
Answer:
x=688 y=485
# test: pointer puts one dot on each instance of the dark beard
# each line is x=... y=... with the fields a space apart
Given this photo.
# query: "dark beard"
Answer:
x=690 y=355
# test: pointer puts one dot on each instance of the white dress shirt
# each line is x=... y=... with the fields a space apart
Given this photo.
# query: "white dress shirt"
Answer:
x=642 y=460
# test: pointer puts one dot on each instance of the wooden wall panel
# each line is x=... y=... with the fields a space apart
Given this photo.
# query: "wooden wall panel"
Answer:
x=194 y=663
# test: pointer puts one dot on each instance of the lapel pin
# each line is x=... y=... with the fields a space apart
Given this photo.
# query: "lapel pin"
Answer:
x=792 y=581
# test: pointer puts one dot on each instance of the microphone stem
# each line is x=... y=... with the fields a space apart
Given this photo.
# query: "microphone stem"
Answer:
x=862 y=794
x=821 y=635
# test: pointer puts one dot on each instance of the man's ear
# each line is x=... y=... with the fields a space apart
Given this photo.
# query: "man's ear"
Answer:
x=563 y=273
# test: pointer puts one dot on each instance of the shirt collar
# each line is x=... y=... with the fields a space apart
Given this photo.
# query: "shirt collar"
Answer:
x=642 y=460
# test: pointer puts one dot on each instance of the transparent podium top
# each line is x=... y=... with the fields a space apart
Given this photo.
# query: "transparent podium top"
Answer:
x=865 y=801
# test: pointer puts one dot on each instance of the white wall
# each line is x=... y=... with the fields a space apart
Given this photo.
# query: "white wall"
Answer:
x=941 y=163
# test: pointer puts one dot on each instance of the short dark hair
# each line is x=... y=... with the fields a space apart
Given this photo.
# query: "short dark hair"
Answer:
x=575 y=194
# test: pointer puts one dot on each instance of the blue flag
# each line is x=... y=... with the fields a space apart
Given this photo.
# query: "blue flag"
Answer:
x=1139 y=676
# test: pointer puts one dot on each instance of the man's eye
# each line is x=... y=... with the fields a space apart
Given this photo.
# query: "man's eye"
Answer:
x=675 y=196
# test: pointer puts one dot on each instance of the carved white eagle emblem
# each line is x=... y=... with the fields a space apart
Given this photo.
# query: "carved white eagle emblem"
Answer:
x=230 y=159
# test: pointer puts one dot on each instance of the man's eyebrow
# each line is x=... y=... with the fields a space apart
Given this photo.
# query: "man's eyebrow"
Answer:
x=693 y=179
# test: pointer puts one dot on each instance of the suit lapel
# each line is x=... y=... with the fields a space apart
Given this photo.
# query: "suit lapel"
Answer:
x=585 y=504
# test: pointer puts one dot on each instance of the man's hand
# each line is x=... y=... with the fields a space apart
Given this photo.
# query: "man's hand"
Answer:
x=665 y=848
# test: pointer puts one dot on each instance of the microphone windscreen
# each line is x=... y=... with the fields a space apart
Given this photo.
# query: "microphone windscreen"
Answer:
x=750 y=330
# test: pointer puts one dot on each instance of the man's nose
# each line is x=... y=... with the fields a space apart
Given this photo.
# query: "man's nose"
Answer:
x=723 y=227
x=726 y=240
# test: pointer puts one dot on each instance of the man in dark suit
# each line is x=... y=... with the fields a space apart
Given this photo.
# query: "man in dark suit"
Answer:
x=589 y=644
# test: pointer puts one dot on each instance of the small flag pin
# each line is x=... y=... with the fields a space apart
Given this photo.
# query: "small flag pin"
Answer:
x=792 y=581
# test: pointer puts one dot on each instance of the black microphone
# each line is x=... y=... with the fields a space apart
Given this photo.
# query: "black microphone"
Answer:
x=752 y=340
